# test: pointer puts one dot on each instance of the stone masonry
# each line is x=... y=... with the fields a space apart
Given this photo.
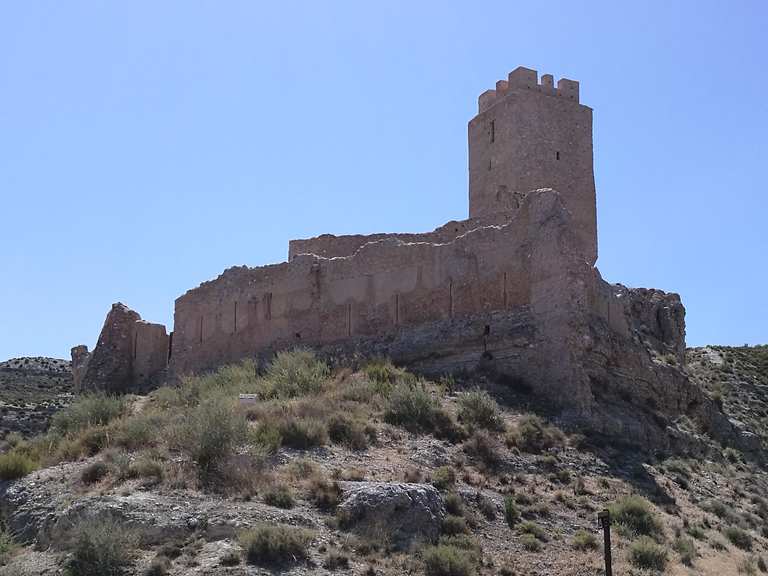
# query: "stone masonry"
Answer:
x=130 y=356
x=513 y=289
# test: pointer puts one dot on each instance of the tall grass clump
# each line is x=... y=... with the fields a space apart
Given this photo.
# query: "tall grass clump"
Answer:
x=738 y=537
x=383 y=375
x=101 y=548
x=89 y=410
x=274 y=544
x=645 y=553
x=447 y=560
x=210 y=433
x=412 y=407
x=533 y=435
x=634 y=516
x=15 y=464
x=295 y=373
x=478 y=410
x=7 y=547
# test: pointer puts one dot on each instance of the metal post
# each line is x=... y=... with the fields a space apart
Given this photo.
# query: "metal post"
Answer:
x=604 y=518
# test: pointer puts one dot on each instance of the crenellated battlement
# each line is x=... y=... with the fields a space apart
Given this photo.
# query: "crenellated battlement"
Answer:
x=522 y=78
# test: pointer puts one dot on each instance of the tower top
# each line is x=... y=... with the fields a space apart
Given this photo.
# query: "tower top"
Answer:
x=522 y=78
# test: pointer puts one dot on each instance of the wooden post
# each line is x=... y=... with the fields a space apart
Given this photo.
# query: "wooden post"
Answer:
x=604 y=518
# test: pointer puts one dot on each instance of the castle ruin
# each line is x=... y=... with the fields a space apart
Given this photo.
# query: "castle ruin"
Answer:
x=512 y=289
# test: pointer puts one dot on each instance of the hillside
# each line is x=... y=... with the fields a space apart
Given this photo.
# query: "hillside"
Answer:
x=349 y=470
x=31 y=391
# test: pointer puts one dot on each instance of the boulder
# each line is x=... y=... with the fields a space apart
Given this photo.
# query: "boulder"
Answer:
x=397 y=513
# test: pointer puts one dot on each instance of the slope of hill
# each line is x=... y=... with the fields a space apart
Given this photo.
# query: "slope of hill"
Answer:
x=31 y=391
x=371 y=470
x=737 y=377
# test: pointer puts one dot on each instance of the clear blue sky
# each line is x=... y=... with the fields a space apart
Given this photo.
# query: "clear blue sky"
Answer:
x=147 y=146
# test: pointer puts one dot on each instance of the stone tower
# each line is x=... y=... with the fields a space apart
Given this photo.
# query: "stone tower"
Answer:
x=527 y=136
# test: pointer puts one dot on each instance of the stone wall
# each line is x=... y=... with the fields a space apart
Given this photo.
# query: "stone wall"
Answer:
x=384 y=286
x=330 y=246
x=131 y=355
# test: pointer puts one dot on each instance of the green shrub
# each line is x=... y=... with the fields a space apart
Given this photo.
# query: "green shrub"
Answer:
x=145 y=466
x=530 y=543
x=344 y=430
x=326 y=494
x=280 y=497
x=484 y=448
x=533 y=529
x=453 y=525
x=633 y=514
x=583 y=540
x=210 y=434
x=7 y=547
x=302 y=433
x=738 y=537
x=454 y=504
x=696 y=532
x=411 y=407
x=511 y=511
x=486 y=506
x=101 y=548
x=272 y=545
x=447 y=560
x=721 y=510
x=295 y=373
x=159 y=566
x=336 y=560
x=478 y=410
x=732 y=455
x=686 y=548
x=443 y=477
x=138 y=431
x=747 y=566
x=15 y=464
x=645 y=553
x=533 y=435
x=94 y=472
x=230 y=558
x=97 y=409
x=383 y=375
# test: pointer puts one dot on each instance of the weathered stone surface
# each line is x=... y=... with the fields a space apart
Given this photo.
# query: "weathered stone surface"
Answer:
x=40 y=509
x=400 y=514
x=130 y=356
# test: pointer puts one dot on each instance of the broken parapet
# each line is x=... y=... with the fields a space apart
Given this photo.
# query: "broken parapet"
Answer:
x=527 y=79
x=80 y=358
x=130 y=356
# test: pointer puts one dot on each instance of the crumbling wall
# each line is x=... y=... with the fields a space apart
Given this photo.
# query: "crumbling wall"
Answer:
x=131 y=355
x=80 y=358
x=330 y=246
x=388 y=288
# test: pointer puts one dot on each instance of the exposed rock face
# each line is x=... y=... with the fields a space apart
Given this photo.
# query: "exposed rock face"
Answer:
x=399 y=513
x=40 y=509
x=130 y=356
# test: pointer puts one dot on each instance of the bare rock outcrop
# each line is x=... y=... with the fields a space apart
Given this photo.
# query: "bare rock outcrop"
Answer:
x=399 y=513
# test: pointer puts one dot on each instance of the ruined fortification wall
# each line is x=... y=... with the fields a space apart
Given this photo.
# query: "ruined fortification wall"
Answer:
x=386 y=289
x=530 y=135
x=330 y=246
x=131 y=355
